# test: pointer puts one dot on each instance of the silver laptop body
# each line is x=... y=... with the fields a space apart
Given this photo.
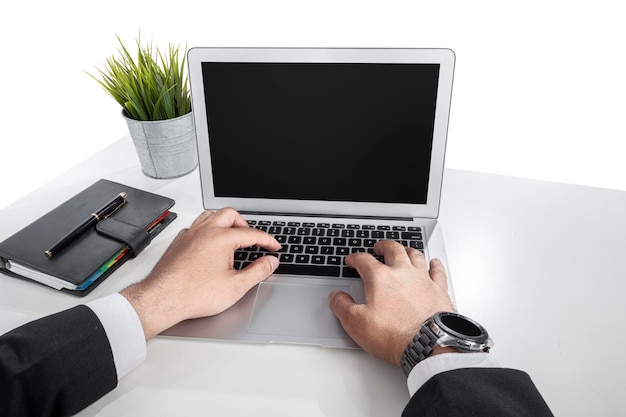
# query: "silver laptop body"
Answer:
x=300 y=138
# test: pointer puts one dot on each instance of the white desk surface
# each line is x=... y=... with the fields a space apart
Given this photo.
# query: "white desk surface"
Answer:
x=542 y=265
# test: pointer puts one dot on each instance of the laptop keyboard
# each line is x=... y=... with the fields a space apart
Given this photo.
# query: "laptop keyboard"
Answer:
x=319 y=249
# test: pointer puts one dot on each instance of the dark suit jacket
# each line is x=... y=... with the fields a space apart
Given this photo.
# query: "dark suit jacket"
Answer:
x=58 y=365
x=478 y=392
x=55 y=366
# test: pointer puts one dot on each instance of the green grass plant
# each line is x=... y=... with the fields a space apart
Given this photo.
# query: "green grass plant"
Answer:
x=152 y=86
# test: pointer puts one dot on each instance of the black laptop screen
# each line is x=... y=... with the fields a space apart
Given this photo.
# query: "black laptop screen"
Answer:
x=321 y=131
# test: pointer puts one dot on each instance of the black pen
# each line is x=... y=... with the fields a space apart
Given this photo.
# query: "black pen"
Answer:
x=101 y=214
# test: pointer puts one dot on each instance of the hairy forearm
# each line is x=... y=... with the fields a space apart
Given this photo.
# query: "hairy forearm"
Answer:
x=156 y=313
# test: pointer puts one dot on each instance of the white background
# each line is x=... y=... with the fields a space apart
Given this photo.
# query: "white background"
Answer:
x=539 y=89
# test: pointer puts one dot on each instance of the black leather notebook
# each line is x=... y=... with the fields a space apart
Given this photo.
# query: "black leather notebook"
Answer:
x=95 y=253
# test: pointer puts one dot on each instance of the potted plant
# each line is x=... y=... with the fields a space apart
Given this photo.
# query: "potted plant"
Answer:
x=153 y=90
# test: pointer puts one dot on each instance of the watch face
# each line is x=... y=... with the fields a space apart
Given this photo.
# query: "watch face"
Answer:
x=461 y=325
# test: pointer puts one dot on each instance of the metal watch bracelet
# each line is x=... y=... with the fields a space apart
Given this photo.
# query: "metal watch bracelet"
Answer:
x=419 y=348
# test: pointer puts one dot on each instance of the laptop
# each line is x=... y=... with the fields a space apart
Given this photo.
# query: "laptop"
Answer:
x=329 y=150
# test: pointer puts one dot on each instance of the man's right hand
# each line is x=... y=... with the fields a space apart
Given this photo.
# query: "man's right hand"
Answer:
x=400 y=295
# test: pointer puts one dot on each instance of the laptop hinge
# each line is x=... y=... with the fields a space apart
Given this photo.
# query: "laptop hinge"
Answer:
x=337 y=216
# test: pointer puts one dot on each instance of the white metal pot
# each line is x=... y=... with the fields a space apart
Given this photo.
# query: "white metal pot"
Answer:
x=166 y=148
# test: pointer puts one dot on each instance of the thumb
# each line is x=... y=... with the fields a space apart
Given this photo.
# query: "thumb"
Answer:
x=258 y=270
x=342 y=305
x=438 y=274
x=350 y=314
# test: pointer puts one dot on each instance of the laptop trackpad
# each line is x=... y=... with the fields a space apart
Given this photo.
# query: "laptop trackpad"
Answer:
x=295 y=310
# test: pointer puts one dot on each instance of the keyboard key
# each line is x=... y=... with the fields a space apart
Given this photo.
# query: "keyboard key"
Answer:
x=300 y=269
x=287 y=258
x=296 y=248
x=392 y=235
x=318 y=259
x=348 y=272
x=255 y=255
x=294 y=240
x=324 y=241
x=274 y=230
x=342 y=251
x=311 y=249
x=302 y=259
x=415 y=244
x=318 y=232
x=411 y=235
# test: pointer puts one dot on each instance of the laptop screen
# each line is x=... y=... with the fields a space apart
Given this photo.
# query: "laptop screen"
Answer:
x=348 y=132
x=359 y=132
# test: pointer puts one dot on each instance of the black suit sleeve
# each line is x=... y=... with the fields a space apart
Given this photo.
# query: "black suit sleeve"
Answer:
x=478 y=392
x=55 y=366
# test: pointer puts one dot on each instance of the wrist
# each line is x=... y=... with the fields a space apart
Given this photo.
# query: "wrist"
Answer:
x=438 y=350
x=153 y=311
x=445 y=332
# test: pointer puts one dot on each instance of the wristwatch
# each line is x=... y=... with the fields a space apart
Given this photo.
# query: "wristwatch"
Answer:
x=448 y=330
